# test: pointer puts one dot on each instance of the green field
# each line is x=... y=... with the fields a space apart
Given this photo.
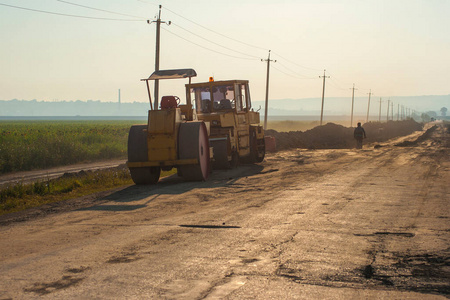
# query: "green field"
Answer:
x=28 y=145
x=31 y=145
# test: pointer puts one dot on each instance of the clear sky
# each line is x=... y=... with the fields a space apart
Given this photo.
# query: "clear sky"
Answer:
x=393 y=47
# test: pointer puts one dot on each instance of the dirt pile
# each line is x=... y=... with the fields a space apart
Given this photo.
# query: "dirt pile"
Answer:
x=421 y=138
x=333 y=136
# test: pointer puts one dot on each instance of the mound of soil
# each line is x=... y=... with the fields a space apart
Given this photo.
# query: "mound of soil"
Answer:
x=333 y=136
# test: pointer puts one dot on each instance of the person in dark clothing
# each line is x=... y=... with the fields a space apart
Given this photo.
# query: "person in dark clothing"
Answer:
x=359 y=134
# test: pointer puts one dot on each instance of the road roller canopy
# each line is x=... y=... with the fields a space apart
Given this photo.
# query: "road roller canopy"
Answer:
x=173 y=74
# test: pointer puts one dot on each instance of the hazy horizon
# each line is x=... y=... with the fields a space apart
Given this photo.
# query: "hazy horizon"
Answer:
x=89 y=50
x=333 y=106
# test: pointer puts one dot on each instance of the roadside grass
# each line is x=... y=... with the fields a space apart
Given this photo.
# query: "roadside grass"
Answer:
x=20 y=196
x=34 y=145
x=28 y=145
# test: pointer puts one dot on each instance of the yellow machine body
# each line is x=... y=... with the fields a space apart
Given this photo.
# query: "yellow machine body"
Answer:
x=226 y=105
x=162 y=134
x=215 y=124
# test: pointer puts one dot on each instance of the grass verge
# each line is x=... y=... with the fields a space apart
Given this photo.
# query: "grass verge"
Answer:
x=20 y=196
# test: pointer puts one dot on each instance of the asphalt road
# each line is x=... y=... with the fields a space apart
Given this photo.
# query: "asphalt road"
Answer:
x=304 y=224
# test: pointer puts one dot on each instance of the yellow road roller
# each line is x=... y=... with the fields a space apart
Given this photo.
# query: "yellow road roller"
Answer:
x=216 y=126
x=235 y=131
x=173 y=137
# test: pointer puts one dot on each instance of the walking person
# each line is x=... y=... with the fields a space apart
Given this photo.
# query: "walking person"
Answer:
x=359 y=134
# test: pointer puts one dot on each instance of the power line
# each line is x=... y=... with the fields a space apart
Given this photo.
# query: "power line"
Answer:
x=65 y=15
x=335 y=78
x=335 y=84
x=290 y=75
x=197 y=35
x=203 y=47
x=147 y=2
x=302 y=76
x=295 y=63
x=98 y=9
x=204 y=27
x=238 y=41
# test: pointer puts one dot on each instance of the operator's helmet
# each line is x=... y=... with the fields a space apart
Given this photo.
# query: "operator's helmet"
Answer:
x=359 y=123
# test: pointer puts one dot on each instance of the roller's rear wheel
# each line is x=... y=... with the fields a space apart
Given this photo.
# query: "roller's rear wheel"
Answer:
x=257 y=149
x=260 y=150
x=220 y=150
x=193 y=143
x=234 y=160
x=138 y=152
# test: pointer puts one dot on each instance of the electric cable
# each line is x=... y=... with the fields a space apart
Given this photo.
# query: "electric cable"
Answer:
x=98 y=9
x=220 y=45
x=238 y=41
x=230 y=38
x=300 y=75
x=218 y=33
x=66 y=15
x=148 y=2
x=335 y=85
x=276 y=53
x=204 y=47
x=290 y=75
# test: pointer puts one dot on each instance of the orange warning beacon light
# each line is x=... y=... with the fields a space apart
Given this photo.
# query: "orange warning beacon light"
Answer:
x=211 y=79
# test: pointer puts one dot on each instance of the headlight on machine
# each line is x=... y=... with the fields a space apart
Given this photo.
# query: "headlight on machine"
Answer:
x=215 y=122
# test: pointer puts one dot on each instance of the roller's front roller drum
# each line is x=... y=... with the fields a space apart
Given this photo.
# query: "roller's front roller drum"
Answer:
x=138 y=152
x=193 y=143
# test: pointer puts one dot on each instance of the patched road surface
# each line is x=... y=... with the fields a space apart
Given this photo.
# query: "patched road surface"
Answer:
x=304 y=224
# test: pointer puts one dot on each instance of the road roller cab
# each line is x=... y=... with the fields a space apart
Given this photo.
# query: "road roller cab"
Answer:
x=235 y=132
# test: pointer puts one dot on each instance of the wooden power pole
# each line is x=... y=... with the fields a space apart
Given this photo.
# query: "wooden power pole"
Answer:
x=388 y=108
x=353 y=100
x=368 y=106
x=158 y=38
x=267 y=90
x=323 y=95
x=379 y=113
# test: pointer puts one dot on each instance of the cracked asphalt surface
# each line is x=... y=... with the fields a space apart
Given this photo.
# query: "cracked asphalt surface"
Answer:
x=304 y=224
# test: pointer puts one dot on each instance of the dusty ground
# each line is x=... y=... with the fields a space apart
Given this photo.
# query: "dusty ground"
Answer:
x=304 y=224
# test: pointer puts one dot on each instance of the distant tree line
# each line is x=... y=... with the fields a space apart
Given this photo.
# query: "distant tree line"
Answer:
x=71 y=108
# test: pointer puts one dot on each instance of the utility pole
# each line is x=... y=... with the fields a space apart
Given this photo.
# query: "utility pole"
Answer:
x=379 y=113
x=368 y=106
x=119 y=99
x=323 y=95
x=267 y=89
x=398 y=110
x=353 y=100
x=158 y=36
x=392 y=110
x=388 y=108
